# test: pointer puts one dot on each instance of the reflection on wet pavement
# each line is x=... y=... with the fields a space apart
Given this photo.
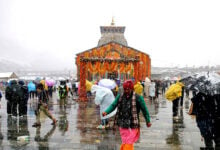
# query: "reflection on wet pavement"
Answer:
x=76 y=128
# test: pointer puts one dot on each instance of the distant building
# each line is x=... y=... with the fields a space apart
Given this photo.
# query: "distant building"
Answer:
x=5 y=76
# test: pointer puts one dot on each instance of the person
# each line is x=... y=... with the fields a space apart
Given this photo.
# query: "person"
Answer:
x=63 y=93
x=22 y=104
x=173 y=93
x=138 y=88
x=182 y=97
x=163 y=87
x=0 y=97
x=129 y=105
x=76 y=87
x=31 y=89
x=103 y=97
x=70 y=88
x=13 y=95
x=175 y=108
x=44 y=83
x=206 y=109
x=42 y=106
x=152 y=90
x=146 y=86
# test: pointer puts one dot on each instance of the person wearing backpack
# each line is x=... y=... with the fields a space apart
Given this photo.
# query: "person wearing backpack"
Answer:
x=13 y=94
x=42 y=106
x=22 y=106
x=63 y=93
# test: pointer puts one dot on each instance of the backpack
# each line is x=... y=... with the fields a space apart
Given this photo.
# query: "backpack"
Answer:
x=63 y=91
x=24 y=91
x=16 y=93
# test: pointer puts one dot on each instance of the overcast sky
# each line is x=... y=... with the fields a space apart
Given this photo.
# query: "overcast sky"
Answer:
x=173 y=32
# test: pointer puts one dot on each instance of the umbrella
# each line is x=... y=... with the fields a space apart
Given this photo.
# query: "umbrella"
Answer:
x=50 y=82
x=206 y=83
x=110 y=84
x=37 y=80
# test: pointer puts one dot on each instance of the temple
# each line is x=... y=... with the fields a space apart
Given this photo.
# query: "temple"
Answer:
x=112 y=58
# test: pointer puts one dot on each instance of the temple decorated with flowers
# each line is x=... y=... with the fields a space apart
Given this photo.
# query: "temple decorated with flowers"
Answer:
x=112 y=58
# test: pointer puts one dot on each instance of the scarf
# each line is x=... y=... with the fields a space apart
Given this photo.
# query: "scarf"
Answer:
x=126 y=116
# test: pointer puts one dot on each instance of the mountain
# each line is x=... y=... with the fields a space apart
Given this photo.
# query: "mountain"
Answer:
x=13 y=65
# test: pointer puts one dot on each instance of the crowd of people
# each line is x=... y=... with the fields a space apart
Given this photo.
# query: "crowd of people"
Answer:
x=17 y=94
x=124 y=102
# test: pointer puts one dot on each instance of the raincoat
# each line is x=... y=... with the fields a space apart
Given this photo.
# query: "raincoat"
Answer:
x=88 y=86
x=104 y=97
x=138 y=88
x=152 y=89
x=31 y=87
x=174 y=91
x=146 y=86
x=44 y=84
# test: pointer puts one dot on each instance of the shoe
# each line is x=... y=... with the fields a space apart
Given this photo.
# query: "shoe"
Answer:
x=175 y=117
x=14 y=117
x=36 y=125
x=100 y=127
x=54 y=123
x=107 y=126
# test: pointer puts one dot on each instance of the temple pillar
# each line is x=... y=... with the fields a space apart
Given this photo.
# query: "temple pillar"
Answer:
x=83 y=69
x=136 y=69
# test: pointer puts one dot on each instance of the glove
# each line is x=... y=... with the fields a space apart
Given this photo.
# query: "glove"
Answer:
x=149 y=124
x=104 y=114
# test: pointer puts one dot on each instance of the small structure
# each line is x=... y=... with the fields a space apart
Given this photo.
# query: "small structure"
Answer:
x=111 y=58
x=5 y=76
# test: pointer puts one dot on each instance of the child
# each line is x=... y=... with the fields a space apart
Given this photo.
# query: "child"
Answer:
x=42 y=106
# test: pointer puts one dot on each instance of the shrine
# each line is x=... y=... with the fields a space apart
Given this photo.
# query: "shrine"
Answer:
x=112 y=58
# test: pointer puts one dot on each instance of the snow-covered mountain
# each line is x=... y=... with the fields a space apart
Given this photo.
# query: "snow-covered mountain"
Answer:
x=7 y=64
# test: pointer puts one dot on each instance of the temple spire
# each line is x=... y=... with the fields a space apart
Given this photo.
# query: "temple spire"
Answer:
x=112 y=33
x=113 y=22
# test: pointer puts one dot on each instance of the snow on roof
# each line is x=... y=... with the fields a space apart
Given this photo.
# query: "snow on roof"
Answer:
x=6 y=74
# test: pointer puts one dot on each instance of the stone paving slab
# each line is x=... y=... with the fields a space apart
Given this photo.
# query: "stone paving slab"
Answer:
x=76 y=129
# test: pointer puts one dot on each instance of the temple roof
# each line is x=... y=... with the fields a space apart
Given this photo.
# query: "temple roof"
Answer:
x=112 y=33
x=112 y=42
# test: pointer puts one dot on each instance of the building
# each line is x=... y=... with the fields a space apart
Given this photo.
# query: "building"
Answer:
x=112 y=58
x=5 y=76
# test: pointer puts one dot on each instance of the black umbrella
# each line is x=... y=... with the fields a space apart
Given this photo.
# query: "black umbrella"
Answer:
x=207 y=83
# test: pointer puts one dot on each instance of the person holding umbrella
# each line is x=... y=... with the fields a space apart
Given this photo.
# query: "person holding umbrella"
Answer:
x=103 y=97
x=206 y=105
x=127 y=116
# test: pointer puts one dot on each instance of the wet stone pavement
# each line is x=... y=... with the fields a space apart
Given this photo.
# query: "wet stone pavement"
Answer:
x=76 y=129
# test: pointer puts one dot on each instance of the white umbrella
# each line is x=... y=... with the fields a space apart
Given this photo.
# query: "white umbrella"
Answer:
x=110 y=84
